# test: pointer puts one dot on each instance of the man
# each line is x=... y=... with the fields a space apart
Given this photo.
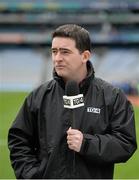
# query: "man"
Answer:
x=41 y=140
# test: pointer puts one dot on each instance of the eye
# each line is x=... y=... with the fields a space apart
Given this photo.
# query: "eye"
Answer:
x=65 y=52
x=53 y=51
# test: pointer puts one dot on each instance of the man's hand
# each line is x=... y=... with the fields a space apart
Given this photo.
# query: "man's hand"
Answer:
x=74 y=139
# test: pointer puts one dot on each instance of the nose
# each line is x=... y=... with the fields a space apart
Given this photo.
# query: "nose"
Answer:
x=58 y=57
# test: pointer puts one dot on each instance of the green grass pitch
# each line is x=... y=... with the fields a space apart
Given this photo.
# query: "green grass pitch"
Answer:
x=9 y=106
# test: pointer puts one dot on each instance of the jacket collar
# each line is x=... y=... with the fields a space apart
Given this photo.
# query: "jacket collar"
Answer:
x=84 y=85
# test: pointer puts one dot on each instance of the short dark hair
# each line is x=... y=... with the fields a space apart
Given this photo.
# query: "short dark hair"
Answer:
x=75 y=32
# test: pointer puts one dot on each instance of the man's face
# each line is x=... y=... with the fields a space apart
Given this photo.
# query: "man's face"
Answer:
x=66 y=58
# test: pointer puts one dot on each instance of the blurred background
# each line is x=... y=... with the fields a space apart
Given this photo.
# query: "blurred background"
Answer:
x=25 y=59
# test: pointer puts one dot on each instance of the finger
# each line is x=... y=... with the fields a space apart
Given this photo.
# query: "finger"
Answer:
x=69 y=130
x=71 y=136
x=69 y=141
x=72 y=147
x=74 y=136
x=73 y=131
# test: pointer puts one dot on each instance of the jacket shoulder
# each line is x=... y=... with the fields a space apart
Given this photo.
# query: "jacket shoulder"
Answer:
x=36 y=96
x=109 y=91
x=104 y=85
x=39 y=91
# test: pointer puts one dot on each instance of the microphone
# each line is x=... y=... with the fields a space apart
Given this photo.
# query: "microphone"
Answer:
x=72 y=99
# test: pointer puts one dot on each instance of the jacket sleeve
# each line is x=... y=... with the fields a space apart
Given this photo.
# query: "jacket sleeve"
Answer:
x=119 y=143
x=22 y=144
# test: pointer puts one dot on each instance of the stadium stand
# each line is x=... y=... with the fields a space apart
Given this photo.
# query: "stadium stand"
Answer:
x=120 y=67
x=29 y=23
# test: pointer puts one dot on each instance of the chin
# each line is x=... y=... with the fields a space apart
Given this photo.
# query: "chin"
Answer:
x=59 y=73
x=62 y=75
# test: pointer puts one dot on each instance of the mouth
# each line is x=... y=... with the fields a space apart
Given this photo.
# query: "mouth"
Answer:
x=59 y=67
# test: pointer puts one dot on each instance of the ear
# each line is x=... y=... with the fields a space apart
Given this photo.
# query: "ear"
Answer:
x=86 y=56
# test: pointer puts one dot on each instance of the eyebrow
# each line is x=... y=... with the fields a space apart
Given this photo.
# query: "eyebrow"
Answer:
x=61 y=49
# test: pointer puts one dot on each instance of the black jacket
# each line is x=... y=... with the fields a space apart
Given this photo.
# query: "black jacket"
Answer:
x=37 y=138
